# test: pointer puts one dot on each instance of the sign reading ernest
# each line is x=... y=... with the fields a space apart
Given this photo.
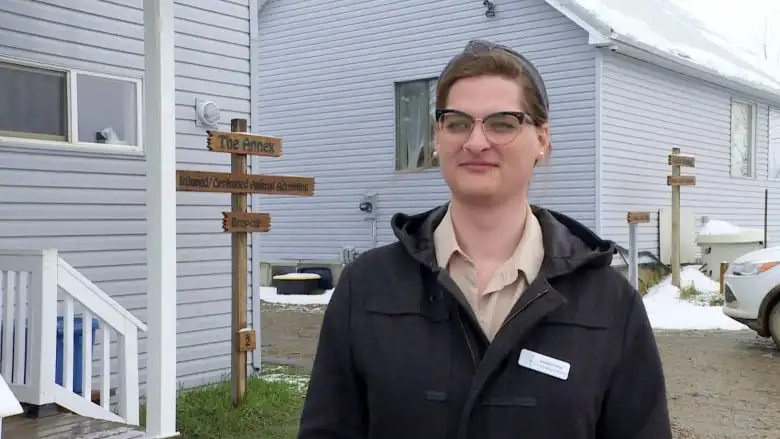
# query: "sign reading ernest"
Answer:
x=244 y=143
x=246 y=222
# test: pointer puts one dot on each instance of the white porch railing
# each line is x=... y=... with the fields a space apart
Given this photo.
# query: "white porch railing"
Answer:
x=38 y=322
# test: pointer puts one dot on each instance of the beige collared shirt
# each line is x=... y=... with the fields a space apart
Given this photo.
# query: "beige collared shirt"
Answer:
x=491 y=305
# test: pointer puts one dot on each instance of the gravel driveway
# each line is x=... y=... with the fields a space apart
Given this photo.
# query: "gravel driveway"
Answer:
x=721 y=384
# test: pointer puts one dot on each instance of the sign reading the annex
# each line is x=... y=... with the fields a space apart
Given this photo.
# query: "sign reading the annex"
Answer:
x=244 y=143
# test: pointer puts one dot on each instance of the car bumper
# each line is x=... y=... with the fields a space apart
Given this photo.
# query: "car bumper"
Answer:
x=742 y=300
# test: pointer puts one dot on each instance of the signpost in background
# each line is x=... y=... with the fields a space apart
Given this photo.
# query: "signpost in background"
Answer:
x=239 y=222
x=676 y=161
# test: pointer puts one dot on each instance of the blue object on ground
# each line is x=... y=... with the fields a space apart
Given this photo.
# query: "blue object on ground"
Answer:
x=77 y=350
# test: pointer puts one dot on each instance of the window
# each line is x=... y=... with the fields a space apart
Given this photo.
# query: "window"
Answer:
x=415 y=105
x=33 y=103
x=774 y=143
x=42 y=105
x=743 y=129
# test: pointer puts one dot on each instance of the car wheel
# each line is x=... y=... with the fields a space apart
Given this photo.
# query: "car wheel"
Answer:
x=774 y=324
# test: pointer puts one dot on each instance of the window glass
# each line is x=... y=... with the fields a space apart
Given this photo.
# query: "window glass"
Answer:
x=33 y=103
x=107 y=110
x=741 y=139
x=415 y=109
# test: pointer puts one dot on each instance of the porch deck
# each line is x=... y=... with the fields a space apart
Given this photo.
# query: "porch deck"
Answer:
x=66 y=426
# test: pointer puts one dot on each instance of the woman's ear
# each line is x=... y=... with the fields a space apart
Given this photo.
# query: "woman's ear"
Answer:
x=543 y=136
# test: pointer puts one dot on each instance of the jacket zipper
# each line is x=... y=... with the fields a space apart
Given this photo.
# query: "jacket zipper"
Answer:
x=509 y=319
x=525 y=305
x=468 y=343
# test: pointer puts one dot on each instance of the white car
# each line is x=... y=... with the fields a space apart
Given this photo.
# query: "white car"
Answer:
x=752 y=292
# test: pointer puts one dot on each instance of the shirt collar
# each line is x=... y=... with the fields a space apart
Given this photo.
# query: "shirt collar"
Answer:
x=527 y=257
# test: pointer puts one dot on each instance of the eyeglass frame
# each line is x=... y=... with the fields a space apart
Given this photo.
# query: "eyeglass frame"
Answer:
x=521 y=116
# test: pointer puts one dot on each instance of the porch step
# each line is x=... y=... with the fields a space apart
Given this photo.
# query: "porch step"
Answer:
x=67 y=426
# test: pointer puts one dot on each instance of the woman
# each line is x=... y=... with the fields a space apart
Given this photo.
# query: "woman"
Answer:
x=489 y=318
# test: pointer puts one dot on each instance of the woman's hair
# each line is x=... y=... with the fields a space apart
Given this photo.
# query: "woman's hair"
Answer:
x=481 y=58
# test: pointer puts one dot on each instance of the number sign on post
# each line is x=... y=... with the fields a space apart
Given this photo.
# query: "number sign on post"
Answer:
x=676 y=161
x=239 y=221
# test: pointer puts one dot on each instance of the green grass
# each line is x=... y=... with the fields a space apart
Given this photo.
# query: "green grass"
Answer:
x=648 y=278
x=689 y=293
x=271 y=410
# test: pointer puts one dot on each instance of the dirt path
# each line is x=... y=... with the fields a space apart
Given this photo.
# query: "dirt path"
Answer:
x=721 y=384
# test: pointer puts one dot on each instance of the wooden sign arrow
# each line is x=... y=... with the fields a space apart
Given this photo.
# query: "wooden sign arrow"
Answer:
x=681 y=180
x=687 y=161
x=638 y=217
x=244 y=143
x=246 y=222
x=236 y=183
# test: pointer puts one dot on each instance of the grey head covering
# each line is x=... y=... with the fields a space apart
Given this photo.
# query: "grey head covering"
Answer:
x=475 y=47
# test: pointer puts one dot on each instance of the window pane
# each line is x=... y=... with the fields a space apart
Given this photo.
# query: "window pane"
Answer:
x=774 y=143
x=33 y=103
x=107 y=110
x=741 y=139
x=413 y=130
x=432 y=121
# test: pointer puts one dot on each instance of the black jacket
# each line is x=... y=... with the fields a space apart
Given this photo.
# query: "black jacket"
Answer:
x=400 y=355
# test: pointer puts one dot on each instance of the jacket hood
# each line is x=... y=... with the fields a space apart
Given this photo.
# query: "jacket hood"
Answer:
x=568 y=244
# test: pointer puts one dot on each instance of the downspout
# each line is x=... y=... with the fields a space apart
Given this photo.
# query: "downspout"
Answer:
x=254 y=124
x=598 y=147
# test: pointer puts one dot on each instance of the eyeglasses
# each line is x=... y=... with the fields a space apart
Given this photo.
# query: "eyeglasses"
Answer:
x=455 y=127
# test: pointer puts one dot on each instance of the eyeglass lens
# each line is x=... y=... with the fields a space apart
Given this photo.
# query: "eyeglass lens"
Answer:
x=499 y=128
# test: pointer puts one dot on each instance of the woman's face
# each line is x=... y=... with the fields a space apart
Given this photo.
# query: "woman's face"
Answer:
x=492 y=160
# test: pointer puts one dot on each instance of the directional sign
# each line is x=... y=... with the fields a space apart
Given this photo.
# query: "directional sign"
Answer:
x=237 y=183
x=244 y=143
x=638 y=217
x=246 y=222
x=687 y=161
x=239 y=143
x=681 y=180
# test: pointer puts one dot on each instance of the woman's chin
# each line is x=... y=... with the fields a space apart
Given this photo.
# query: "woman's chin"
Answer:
x=475 y=190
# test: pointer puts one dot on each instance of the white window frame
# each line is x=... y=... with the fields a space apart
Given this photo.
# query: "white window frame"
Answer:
x=753 y=137
x=71 y=76
x=431 y=163
x=769 y=137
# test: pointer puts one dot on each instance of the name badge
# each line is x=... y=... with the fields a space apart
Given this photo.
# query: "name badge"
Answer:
x=544 y=364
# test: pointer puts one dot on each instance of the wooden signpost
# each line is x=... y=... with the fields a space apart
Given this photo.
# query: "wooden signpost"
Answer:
x=634 y=219
x=239 y=222
x=676 y=161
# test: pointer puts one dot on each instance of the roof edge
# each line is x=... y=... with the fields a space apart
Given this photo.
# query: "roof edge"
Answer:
x=598 y=32
x=648 y=53
x=601 y=35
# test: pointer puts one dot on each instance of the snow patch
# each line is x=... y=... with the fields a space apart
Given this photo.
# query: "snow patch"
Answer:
x=277 y=375
x=669 y=28
x=667 y=310
x=718 y=227
x=268 y=294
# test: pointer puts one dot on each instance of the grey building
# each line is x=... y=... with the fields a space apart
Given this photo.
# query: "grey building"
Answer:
x=72 y=163
x=349 y=86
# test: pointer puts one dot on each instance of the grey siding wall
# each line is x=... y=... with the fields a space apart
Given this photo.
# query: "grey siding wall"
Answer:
x=648 y=110
x=774 y=141
x=91 y=206
x=326 y=85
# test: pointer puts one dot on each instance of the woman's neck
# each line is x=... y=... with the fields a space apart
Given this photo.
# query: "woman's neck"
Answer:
x=489 y=233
